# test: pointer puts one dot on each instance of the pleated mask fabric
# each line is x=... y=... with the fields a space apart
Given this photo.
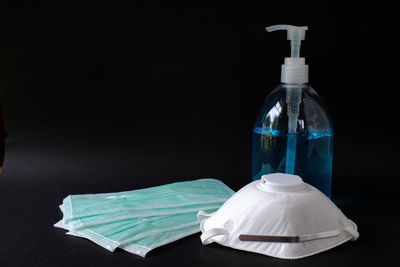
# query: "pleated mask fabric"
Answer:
x=82 y=222
x=141 y=220
x=196 y=192
x=114 y=234
x=278 y=216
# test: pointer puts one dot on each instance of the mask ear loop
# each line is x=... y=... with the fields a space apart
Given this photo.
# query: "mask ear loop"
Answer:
x=352 y=229
x=201 y=215
x=207 y=235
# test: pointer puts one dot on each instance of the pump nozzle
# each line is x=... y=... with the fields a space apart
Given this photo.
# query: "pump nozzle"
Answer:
x=294 y=73
x=295 y=34
x=294 y=70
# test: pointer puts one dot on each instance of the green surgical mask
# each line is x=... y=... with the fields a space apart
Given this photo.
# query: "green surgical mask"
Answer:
x=174 y=195
x=83 y=222
x=142 y=246
x=114 y=234
x=141 y=220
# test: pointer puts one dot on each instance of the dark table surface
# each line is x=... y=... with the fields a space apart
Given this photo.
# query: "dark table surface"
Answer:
x=40 y=170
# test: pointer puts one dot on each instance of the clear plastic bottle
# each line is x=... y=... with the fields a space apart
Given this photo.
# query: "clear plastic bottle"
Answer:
x=314 y=138
x=293 y=132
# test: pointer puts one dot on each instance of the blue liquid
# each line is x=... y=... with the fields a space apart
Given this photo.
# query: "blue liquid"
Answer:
x=313 y=158
x=291 y=153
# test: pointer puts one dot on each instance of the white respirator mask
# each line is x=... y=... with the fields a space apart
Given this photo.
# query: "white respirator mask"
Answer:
x=279 y=216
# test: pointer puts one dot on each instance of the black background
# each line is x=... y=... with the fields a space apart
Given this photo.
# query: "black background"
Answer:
x=117 y=98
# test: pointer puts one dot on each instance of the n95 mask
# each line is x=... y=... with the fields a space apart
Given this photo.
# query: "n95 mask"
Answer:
x=279 y=216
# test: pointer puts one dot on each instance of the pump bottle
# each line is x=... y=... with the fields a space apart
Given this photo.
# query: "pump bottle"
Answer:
x=293 y=132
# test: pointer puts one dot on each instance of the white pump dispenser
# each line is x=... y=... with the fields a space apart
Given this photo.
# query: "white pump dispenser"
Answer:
x=294 y=71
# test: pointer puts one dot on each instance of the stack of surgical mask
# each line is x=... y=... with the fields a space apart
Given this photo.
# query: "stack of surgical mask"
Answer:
x=140 y=220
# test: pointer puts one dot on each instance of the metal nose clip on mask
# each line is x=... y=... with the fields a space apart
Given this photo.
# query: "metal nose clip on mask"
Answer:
x=279 y=216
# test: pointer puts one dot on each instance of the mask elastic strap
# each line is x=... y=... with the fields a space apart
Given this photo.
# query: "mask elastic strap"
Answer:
x=201 y=215
x=352 y=229
x=205 y=237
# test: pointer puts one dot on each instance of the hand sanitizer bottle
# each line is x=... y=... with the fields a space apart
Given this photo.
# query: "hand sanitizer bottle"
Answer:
x=293 y=132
